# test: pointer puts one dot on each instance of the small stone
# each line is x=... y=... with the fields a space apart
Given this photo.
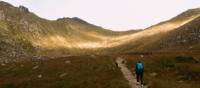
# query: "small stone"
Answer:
x=184 y=40
x=63 y=75
x=180 y=81
x=153 y=74
x=39 y=76
x=36 y=67
x=3 y=64
x=141 y=56
x=67 y=62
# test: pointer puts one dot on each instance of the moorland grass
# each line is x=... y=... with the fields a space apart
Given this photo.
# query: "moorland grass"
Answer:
x=169 y=71
x=79 y=72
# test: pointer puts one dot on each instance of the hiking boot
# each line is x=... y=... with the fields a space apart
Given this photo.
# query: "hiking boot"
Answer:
x=137 y=83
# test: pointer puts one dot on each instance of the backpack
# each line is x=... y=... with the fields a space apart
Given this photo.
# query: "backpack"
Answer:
x=139 y=66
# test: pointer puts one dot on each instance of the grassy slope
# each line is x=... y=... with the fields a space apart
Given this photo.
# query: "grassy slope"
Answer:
x=165 y=71
x=184 y=38
x=81 y=72
x=166 y=30
x=66 y=35
x=75 y=36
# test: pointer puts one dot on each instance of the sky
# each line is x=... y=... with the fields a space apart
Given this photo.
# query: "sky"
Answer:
x=117 y=15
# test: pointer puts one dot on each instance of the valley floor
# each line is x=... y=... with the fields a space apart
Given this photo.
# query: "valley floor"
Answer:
x=65 y=72
x=92 y=71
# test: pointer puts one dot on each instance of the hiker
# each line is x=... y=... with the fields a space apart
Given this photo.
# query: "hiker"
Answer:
x=139 y=70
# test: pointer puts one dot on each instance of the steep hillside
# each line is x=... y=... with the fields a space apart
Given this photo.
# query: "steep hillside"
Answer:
x=186 y=37
x=23 y=31
x=146 y=40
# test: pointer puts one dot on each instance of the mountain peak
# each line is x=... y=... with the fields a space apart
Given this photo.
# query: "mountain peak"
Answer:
x=75 y=19
x=79 y=20
x=2 y=3
x=22 y=8
x=190 y=13
x=6 y=5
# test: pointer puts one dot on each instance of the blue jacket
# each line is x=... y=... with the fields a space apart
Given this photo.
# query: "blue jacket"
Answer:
x=139 y=67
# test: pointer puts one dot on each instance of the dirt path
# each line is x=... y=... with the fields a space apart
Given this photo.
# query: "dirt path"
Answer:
x=127 y=74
